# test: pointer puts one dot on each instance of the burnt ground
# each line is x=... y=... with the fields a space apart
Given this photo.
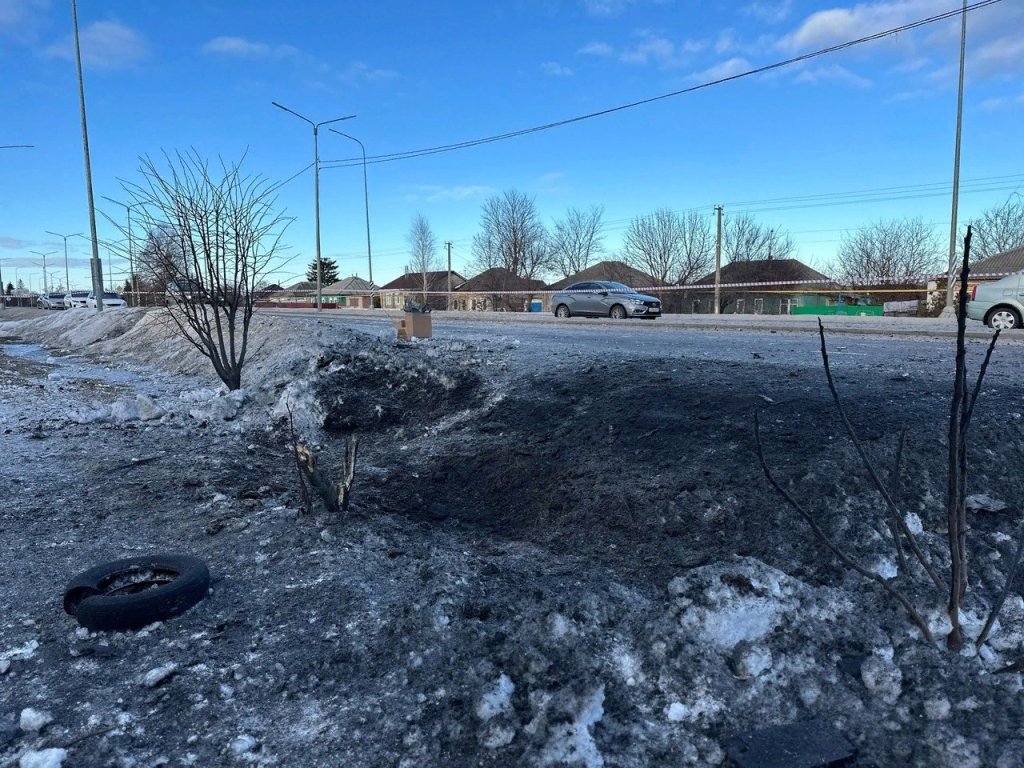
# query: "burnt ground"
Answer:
x=567 y=561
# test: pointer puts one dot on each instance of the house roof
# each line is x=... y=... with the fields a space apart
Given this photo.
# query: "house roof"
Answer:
x=766 y=271
x=304 y=285
x=1001 y=263
x=615 y=271
x=413 y=281
x=349 y=285
x=500 y=279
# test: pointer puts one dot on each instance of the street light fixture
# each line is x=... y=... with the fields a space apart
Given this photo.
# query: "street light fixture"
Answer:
x=131 y=257
x=366 y=205
x=44 y=255
x=316 y=187
x=67 y=273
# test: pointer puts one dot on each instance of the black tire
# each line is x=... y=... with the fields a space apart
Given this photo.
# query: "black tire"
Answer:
x=618 y=312
x=136 y=591
x=562 y=311
x=1003 y=318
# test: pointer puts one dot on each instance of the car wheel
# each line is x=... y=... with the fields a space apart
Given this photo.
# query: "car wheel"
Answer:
x=618 y=312
x=562 y=311
x=1004 y=319
x=131 y=593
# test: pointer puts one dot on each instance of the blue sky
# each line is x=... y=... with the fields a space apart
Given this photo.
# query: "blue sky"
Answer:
x=203 y=75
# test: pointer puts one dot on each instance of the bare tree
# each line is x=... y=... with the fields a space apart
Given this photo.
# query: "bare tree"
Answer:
x=663 y=245
x=216 y=232
x=511 y=236
x=698 y=248
x=998 y=229
x=896 y=251
x=423 y=257
x=576 y=239
x=746 y=239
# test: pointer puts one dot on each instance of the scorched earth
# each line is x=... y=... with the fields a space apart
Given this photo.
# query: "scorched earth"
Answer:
x=560 y=550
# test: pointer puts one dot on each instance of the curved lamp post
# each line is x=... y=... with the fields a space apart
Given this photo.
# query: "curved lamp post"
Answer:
x=316 y=188
x=366 y=205
x=67 y=273
x=44 y=255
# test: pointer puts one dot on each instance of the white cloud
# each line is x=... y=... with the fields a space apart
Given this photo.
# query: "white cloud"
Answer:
x=1004 y=55
x=432 y=193
x=605 y=8
x=596 y=49
x=832 y=73
x=726 y=42
x=657 y=49
x=105 y=44
x=837 y=25
x=1002 y=102
x=239 y=46
x=768 y=12
x=16 y=13
x=359 y=71
x=554 y=69
x=724 y=69
x=13 y=242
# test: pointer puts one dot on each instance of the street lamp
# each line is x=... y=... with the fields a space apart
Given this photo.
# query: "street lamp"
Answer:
x=44 y=255
x=366 y=205
x=97 y=268
x=316 y=187
x=67 y=273
x=131 y=258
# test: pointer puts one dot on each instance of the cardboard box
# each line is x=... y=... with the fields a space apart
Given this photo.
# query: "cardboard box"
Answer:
x=414 y=325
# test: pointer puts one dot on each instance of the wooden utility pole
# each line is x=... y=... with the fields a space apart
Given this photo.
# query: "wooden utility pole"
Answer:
x=951 y=272
x=718 y=260
x=448 y=300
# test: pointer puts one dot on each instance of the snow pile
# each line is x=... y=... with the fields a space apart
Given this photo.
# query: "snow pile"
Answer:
x=44 y=758
x=33 y=721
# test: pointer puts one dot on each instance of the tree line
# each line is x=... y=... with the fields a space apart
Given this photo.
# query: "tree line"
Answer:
x=679 y=248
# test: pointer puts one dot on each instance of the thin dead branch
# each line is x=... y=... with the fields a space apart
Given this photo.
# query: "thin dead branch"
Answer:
x=895 y=518
x=302 y=458
x=824 y=538
x=993 y=614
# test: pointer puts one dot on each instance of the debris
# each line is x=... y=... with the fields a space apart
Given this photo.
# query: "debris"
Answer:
x=809 y=744
x=33 y=721
x=981 y=502
x=160 y=675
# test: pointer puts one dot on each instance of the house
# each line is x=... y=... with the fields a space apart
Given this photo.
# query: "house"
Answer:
x=410 y=286
x=613 y=271
x=497 y=289
x=763 y=286
x=351 y=292
x=997 y=266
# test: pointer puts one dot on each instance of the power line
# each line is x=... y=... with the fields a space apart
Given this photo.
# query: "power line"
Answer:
x=349 y=162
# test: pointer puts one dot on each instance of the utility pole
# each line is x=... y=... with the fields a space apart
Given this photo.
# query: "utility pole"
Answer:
x=448 y=300
x=948 y=309
x=67 y=272
x=97 y=268
x=718 y=260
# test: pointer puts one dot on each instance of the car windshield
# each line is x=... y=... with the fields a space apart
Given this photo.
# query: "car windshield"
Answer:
x=111 y=296
x=616 y=287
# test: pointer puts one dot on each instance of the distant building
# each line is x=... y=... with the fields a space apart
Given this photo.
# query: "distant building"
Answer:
x=761 y=287
x=614 y=271
x=498 y=289
x=351 y=292
x=997 y=266
x=410 y=286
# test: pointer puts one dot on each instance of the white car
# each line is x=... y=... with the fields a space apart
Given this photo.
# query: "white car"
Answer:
x=110 y=299
x=999 y=304
x=75 y=299
x=51 y=301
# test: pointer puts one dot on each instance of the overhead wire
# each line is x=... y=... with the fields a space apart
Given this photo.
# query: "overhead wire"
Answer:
x=409 y=154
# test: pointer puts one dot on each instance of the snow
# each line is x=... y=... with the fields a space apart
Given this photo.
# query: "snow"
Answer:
x=26 y=651
x=44 y=758
x=573 y=743
x=243 y=744
x=159 y=675
x=497 y=700
x=33 y=720
x=676 y=712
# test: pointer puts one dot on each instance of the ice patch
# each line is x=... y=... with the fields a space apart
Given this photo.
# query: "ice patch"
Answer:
x=43 y=758
x=26 y=651
x=33 y=721
x=243 y=744
x=497 y=700
x=573 y=743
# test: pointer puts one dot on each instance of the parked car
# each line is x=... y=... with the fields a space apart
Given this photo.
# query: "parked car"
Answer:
x=604 y=299
x=74 y=299
x=999 y=304
x=51 y=301
x=184 y=290
x=110 y=299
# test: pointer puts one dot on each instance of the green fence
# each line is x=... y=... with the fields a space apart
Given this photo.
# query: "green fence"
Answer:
x=847 y=309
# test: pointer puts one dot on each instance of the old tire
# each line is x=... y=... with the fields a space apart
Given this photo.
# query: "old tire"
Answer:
x=1004 y=319
x=618 y=312
x=562 y=311
x=136 y=591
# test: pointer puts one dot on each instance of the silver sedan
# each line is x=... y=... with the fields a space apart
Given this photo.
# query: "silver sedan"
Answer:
x=604 y=299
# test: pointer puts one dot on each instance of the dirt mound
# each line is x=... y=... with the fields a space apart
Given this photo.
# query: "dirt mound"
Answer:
x=377 y=385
